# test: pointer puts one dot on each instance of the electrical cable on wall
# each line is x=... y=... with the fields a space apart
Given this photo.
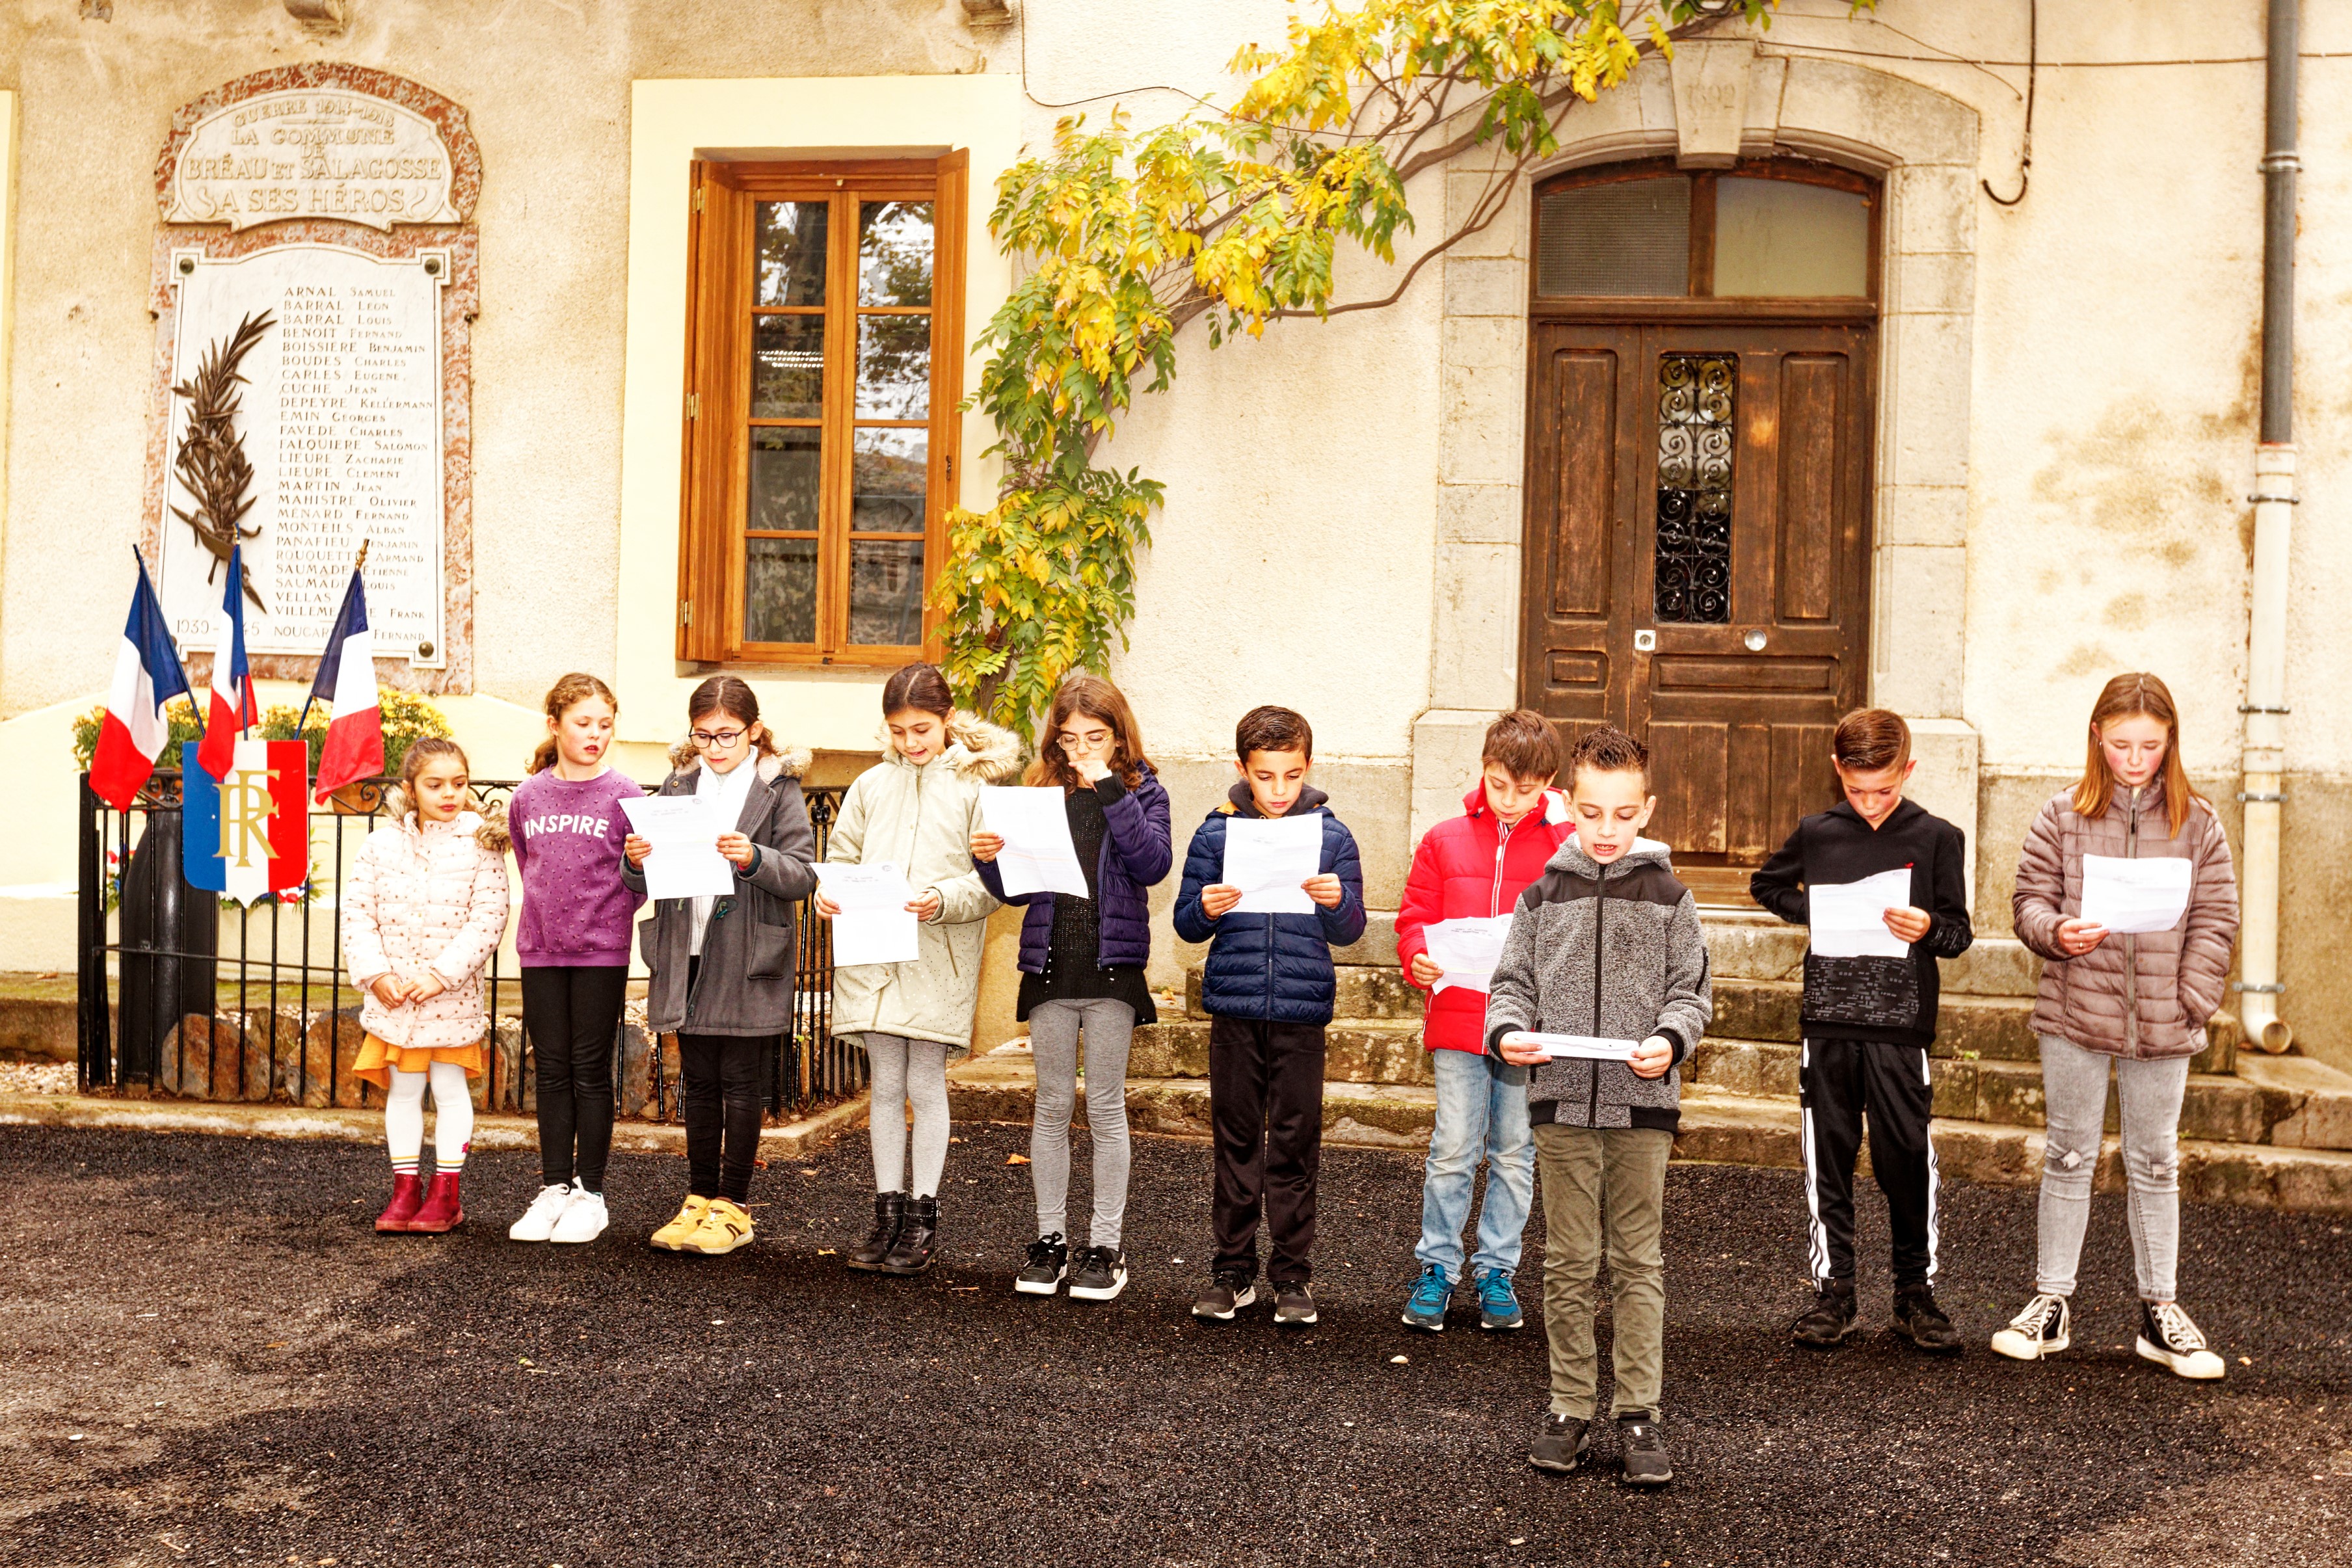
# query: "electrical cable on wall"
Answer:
x=2033 y=75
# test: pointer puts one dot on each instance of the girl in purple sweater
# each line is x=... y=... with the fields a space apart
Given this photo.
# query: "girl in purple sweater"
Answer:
x=573 y=945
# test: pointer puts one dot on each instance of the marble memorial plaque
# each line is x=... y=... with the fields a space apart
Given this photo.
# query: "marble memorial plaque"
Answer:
x=312 y=152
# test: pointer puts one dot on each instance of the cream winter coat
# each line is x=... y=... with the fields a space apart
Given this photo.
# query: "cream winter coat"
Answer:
x=921 y=819
x=426 y=901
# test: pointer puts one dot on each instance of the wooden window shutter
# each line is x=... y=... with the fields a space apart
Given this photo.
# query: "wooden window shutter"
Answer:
x=717 y=279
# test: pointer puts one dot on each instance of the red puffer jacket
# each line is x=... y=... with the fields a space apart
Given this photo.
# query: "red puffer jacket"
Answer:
x=1469 y=867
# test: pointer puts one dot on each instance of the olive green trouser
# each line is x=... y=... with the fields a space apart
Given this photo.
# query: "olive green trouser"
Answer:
x=1592 y=1177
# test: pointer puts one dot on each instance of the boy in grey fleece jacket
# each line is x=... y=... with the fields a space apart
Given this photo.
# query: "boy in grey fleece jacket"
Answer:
x=1607 y=944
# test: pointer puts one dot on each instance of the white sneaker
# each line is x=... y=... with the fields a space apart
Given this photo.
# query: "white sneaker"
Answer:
x=538 y=1221
x=2044 y=1328
x=583 y=1217
x=2170 y=1337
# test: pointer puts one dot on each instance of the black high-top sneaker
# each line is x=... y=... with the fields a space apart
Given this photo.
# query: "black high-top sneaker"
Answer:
x=2170 y=1337
x=1830 y=1322
x=889 y=1213
x=1919 y=1319
x=1049 y=1260
x=2044 y=1328
x=919 y=1236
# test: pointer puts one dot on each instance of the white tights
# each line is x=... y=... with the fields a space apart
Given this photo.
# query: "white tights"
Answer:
x=453 y=1121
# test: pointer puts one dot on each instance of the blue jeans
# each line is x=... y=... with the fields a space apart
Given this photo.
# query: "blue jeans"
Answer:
x=1482 y=1115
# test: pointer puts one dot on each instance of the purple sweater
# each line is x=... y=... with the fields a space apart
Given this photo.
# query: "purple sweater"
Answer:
x=567 y=845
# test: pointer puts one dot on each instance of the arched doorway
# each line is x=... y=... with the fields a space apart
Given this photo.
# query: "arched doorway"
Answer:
x=1696 y=546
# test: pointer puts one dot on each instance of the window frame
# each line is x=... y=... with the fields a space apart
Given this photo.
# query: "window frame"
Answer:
x=717 y=420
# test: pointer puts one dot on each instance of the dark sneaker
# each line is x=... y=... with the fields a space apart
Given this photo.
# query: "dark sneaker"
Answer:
x=1830 y=1322
x=1227 y=1293
x=1643 y=1446
x=1425 y=1308
x=2170 y=1337
x=1560 y=1444
x=1294 y=1303
x=1049 y=1260
x=1101 y=1275
x=1919 y=1319
x=2044 y=1328
x=1498 y=1304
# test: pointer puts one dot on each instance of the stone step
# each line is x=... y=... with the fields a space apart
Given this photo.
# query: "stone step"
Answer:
x=1716 y=1127
x=1356 y=1050
x=1754 y=946
x=1363 y=991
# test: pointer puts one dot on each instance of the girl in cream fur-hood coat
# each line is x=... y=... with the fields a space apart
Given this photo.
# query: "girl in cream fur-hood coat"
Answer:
x=921 y=819
x=427 y=900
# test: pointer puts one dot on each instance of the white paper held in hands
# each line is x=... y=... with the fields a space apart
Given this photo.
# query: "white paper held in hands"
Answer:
x=684 y=832
x=2133 y=897
x=1848 y=919
x=1038 y=855
x=1467 y=950
x=875 y=925
x=1271 y=859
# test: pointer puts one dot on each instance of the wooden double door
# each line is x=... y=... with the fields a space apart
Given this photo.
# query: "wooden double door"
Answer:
x=1696 y=564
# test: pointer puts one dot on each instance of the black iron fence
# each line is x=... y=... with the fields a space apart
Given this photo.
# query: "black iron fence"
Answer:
x=182 y=992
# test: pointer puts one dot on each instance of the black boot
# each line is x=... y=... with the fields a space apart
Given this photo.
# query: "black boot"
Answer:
x=889 y=1214
x=917 y=1237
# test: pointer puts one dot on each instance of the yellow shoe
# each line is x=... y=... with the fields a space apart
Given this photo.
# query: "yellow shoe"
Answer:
x=725 y=1226
x=672 y=1237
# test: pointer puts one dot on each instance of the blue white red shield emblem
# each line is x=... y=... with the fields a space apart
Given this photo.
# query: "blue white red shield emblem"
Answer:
x=246 y=834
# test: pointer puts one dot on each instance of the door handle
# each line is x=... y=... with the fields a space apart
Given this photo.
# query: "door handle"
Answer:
x=1645 y=641
x=1755 y=641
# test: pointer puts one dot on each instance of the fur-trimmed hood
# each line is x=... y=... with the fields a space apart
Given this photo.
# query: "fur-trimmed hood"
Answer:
x=977 y=750
x=784 y=762
x=488 y=825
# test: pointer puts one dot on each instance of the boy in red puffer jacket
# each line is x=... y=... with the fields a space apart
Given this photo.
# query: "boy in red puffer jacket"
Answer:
x=1472 y=868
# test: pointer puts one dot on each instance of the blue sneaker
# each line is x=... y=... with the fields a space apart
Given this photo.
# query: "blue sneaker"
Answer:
x=1498 y=1305
x=1425 y=1308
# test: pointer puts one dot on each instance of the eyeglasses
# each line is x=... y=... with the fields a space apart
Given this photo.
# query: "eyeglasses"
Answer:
x=721 y=738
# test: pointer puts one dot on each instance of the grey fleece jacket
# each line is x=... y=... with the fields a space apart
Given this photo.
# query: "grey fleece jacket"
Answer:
x=1613 y=951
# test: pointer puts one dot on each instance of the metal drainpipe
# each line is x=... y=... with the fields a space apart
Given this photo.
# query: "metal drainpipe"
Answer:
x=2266 y=709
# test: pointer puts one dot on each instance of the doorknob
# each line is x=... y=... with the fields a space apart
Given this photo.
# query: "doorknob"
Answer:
x=1755 y=641
x=1645 y=641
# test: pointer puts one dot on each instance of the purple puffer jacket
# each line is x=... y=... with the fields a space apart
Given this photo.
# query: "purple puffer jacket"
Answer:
x=1136 y=853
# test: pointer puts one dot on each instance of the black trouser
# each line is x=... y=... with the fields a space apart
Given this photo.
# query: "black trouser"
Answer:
x=720 y=1094
x=571 y=1016
x=1266 y=1103
x=1839 y=1081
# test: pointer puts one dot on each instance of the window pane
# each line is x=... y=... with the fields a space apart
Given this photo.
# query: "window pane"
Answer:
x=886 y=592
x=788 y=367
x=891 y=472
x=785 y=476
x=894 y=367
x=1695 y=431
x=789 y=265
x=893 y=253
x=1778 y=237
x=1629 y=238
x=780 y=591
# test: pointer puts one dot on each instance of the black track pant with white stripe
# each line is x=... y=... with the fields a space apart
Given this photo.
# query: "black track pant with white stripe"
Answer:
x=1839 y=1081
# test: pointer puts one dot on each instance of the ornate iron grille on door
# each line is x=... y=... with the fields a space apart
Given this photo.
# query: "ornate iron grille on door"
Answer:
x=1694 y=443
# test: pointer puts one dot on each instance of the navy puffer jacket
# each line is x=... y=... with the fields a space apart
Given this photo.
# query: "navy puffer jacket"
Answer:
x=1272 y=967
x=1137 y=850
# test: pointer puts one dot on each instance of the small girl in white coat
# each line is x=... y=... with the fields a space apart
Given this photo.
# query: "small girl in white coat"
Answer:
x=424 y=907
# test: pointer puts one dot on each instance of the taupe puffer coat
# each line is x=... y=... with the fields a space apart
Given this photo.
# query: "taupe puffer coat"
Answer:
x=2146 y=996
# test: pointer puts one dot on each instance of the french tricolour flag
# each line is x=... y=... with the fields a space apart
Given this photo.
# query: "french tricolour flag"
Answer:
x=147 y=675
x=232 y=710
x=346 y=683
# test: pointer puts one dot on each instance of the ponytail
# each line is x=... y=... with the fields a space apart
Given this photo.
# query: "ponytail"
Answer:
x=573 y=688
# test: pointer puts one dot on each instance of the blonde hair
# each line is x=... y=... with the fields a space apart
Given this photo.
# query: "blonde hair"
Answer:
x=2138 y=696
x=573 y=688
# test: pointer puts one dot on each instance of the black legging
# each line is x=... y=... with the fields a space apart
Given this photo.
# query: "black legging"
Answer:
x=720 y=1097
x=571 y=1016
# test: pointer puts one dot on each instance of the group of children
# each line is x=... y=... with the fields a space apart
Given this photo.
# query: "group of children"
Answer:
x=1603 y=945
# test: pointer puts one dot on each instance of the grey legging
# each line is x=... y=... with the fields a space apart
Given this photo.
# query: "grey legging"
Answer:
x=1053 y=1029
x=908 y=1073
x=2148 y=1095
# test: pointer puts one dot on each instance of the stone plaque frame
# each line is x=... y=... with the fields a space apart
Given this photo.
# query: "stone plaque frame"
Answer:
x=452 y=672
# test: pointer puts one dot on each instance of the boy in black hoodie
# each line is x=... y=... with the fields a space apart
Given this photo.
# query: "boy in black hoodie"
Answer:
x=1868 y=1023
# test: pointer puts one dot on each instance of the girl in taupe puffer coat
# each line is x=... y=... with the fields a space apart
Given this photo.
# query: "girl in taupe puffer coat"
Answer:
x=2140 y=1001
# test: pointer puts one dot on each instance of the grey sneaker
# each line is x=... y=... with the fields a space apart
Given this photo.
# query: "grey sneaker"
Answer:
x=1643 y=1446
x=1294 y=1303
x=1227 y=1293
x=1559 y=1445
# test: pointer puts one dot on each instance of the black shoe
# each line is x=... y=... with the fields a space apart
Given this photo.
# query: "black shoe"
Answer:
x=1560 y=1444
x=1228 y=1293
x=2170 y=1337
x=1830 y=1322
x=918 y=1238
x=1101 y=1275
x=1919 y=1319
x=889 y=1213
x=1643 y=1446
x=1049 y=1260
x=1294 y=1303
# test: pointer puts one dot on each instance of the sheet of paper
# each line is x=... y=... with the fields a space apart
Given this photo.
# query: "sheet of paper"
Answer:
x=1038 y=856
x=1590 y=1047
x=875 y=925
x=2132 y=896
x=1849 y=918
x=1467 y=950
x=684 y=830
x=1269 y=859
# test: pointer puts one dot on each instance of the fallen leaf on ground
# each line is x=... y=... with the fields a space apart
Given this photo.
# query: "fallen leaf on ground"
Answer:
x=1016 y=1159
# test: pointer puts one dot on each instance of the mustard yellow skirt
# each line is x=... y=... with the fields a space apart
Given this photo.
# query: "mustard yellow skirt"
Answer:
x=376 y=1060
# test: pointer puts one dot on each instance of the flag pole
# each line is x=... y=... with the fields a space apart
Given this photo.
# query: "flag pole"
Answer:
x=311 y=700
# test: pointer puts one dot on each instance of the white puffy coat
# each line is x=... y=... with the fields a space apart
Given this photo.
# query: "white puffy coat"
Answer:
x=426 y=901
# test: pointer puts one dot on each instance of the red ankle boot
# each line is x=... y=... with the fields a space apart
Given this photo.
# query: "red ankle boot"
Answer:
x=407 y=1198
x=442 y=1211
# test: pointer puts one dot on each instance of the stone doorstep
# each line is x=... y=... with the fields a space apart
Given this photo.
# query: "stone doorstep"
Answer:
x=1356 y=1050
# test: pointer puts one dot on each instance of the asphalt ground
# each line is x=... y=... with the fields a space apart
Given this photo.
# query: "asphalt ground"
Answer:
x=210 y=1358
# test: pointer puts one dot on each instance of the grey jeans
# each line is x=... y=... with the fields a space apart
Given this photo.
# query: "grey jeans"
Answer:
x=2148 y=1093
x=1053 y=1028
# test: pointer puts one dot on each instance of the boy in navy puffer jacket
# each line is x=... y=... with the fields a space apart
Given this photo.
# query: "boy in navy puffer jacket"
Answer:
x=1268 y=987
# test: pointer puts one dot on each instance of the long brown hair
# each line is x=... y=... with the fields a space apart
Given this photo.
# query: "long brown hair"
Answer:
x=731 y=696
x=577 y=686
x=1096 y=698
x=2138 y=696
